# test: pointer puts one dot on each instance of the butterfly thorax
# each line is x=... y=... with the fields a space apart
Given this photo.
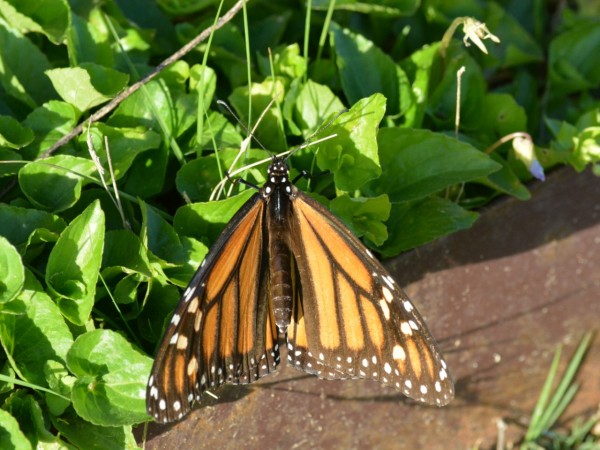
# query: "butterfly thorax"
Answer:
x=276 y=192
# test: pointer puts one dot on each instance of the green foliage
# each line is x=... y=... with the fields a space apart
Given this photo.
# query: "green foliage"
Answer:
x=88 y=279
x=552 y=403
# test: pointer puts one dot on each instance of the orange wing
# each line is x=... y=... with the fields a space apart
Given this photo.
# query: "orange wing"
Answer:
x=351 y=319
x=223 y=329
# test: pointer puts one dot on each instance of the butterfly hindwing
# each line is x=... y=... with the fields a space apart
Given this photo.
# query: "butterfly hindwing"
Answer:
x=350 y=318
x=223 y=328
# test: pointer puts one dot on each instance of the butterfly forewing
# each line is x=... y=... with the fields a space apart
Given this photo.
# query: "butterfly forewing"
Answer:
x=223 y=328
x=350 y=318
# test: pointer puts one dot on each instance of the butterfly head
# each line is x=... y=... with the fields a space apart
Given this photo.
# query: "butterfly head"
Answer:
x=277 y=178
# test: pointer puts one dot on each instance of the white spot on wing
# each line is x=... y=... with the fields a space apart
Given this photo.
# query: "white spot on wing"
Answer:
x=399 y=353
x=406 y=329
x=389 y=281
x=182 y=342
x=385 y=309
x=387 y=294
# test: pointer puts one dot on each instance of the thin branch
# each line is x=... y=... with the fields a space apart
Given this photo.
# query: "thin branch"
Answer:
x=134 y=87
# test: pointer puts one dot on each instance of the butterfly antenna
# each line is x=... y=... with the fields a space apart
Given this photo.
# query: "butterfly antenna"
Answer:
x=229 y=174
x=328 y=123
x=310 y=139
x=250 y=133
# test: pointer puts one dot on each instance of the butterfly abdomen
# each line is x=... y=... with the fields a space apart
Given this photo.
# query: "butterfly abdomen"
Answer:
x=281 y=283
x=280 y=268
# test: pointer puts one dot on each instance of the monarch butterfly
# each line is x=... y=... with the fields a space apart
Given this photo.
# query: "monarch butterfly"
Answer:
x=285 y=265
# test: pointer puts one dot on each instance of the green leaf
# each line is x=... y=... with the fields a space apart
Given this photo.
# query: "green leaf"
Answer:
x=28 y=412
x=418 y=163
x=12 y=272
x=572 y=59
x=203 y=80
x=517 y=46
x=13 y=134
x=90 y=39
x=50 y=17
x=11 y=435
x=196 y=251
x=36 y=335
x=62 y=172
x=365 y=69
x=60 y=381
x=418 y=67
x=93 y=437
x=18 y=224
x=205 y=221
x=159 y=307
x=413 y=224
x=74 y=262
x=22 y=67
x=146 y=177
x=124 y=249
x=197 y=178
x=219 y=132
x=49 y=122
x=88 y=85
x=111 y=379
x=142 y=107
x=127 y=289
x=124 y=144
x=505 y=180
x=312 y=105
x=352 y=153
x=441 y=104
x=394 y=8
x=501 y=115
x=270 y=132
x=287 y=62
x=364 y=216
x=577 y=145
x=587 y=148
x=9 y=168
x=160 y=237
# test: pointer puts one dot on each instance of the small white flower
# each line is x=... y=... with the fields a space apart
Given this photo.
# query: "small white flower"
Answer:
x=525 y=151
x=475 y=31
